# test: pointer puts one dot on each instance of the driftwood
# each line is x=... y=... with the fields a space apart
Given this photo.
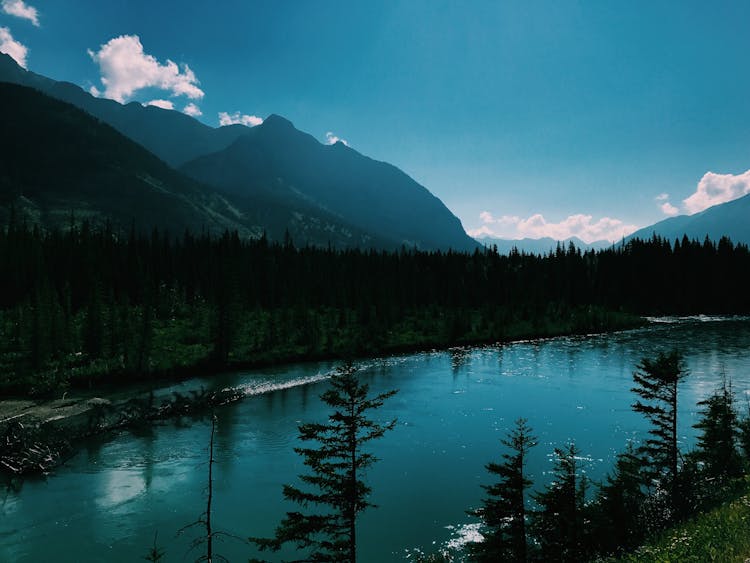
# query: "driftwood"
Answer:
x=36 y=450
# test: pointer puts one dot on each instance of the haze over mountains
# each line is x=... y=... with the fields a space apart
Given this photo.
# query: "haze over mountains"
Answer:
x=270 y=178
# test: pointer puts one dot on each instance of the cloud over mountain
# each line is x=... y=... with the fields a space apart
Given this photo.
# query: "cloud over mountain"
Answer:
x=192 y=110
x=11 y=47
x=236 y=118
x=536 y=226
x=717 y=188
x=332 y=139
x=163 y=104
x=125 y=68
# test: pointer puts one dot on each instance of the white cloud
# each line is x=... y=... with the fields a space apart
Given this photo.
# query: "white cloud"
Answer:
x=163 y=104
x=332 y=139
x=669 y=209
x=662 y=197
x=536 y=226
x=717 y=188
x=192 y=110
x=22 y=10
x=125 y=69
x=11 y=47
x=237 y=118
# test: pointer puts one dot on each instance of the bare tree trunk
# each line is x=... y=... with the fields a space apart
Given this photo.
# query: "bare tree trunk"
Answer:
x=209 y=534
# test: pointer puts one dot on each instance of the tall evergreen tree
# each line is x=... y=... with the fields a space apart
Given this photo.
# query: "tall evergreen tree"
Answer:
x=617 y=509
x=657 y=384
x=717 y=441
x=558 y=522
x=336 y=459
x=744 y=436
x=503 y=511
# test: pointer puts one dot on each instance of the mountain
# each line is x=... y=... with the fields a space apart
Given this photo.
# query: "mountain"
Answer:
x=731 y=219
x=283 y=165
x=172 y=136
x=56 y=160
x=543 y=245
x=281 y=179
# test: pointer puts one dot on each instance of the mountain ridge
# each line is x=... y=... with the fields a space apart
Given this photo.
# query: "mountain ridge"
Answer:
x=729 y=219
x=378 y=214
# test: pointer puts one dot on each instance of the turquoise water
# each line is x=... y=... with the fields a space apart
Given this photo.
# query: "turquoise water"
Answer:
x=453 y=407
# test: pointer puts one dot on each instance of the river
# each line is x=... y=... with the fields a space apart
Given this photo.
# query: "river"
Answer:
x=453 y=407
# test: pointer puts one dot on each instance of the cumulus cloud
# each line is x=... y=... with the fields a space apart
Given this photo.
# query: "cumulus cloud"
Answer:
x=126 y=68
x=163 y=104
x=192 y=110
x=717 y=188
x=332 y=139
x=666 y=207
x=20 y=9
x=536 y=226
x=238 y=118
x=11 y=47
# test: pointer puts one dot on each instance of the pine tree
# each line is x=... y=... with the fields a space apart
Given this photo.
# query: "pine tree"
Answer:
x=744 y=437
x=558 y=522
x=656 y=384
x=336 y=459
x=717 y=442
x=616 y=511
x=503 y=512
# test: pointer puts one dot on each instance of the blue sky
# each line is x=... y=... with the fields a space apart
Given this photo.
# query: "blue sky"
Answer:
x=525 y=118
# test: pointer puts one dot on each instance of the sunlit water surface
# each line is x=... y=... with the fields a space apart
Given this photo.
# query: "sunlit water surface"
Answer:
x=452 y=408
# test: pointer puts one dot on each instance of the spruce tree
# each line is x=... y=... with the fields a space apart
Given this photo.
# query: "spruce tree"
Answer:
x=617 y=509
x=337 y=460
x=558 y=521
x=656 y=384
x=717 y=442
x=503 y=511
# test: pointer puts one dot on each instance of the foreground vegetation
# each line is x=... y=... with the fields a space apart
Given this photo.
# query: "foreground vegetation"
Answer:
x=721 y=535
x=93 y=305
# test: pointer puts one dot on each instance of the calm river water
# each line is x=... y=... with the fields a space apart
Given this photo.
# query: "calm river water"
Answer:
x=453 y=407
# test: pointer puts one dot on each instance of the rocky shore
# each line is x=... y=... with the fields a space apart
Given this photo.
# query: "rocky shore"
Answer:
x=35 y=437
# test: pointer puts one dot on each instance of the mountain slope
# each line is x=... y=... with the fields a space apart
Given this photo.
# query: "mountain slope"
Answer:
x=281 y=164
x=56 y=160
x=172 y=136
x=286 y=180
x=731 y=219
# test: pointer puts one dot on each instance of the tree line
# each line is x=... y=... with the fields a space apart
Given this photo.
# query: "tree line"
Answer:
x=90 y=303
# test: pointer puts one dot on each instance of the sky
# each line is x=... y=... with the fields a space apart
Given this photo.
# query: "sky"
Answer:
x=526 y=118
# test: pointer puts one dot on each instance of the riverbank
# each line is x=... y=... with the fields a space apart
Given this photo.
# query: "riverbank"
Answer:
x=184 y=345
x=38 y=436
x=40 y=433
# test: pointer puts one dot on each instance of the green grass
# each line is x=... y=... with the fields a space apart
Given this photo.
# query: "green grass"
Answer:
x=721 y=535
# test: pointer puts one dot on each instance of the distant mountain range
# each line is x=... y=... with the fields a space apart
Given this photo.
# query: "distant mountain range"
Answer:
x=731 y=219
x=270 y=178
x=543 y=245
